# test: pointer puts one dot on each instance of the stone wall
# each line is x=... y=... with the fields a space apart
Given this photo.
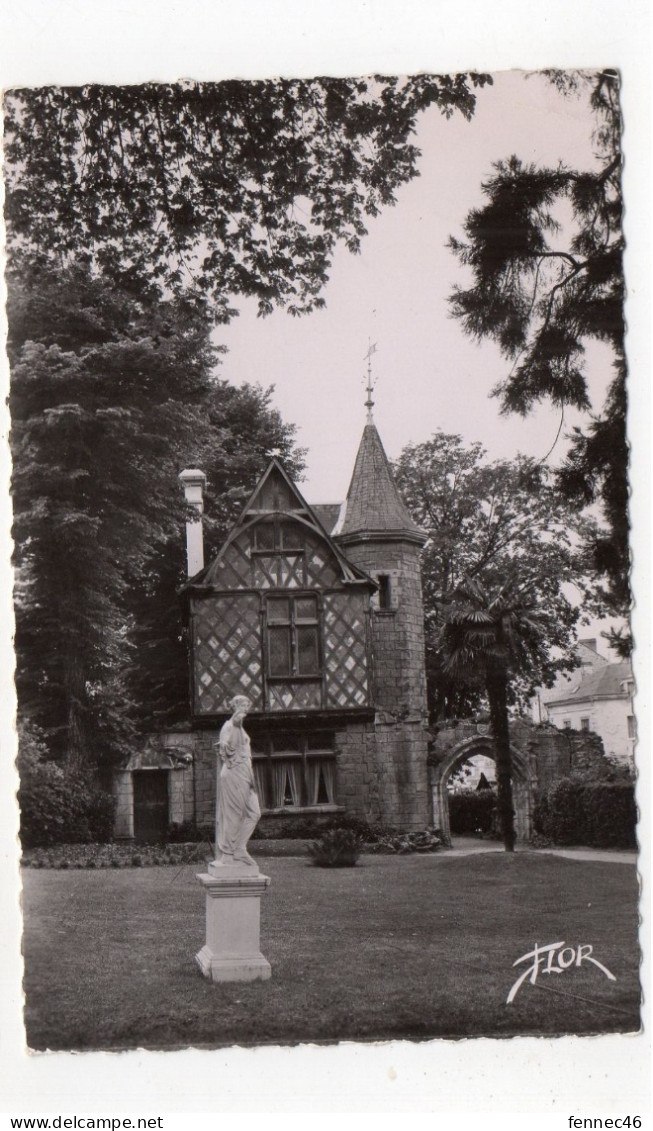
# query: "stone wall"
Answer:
x=399 y=679
x=384 y=775
x=608 y=717
x=381 y=775
x=541 y=756
x=549 y=753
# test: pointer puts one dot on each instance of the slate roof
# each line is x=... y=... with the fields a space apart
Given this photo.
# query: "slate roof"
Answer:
x=290 y=502
x=606 y=683
x=327 y=514
x=373 y=501
x=567 y=683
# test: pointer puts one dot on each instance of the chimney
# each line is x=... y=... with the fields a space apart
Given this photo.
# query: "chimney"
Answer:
x=194 y=482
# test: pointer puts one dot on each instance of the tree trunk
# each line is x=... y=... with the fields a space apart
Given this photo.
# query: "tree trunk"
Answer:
x=497 y=686
x=77 y=752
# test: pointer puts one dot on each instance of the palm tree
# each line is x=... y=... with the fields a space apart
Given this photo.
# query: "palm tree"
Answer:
x=493 y=635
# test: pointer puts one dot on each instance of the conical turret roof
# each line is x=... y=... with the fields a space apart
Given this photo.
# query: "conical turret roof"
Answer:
x=374 y=505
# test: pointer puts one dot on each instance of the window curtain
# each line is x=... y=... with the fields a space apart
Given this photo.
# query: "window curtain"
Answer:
x=278 y=783
x=313 y=779
x=325 y=767
x=328 y=768
x=286 y=774
x=261 y=783
x=294 y=779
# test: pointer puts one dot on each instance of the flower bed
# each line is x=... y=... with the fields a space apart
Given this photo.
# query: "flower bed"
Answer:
x=126 y=855
x=116 y=855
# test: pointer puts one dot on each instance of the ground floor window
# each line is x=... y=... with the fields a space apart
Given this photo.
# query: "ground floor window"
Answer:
x=294 y=770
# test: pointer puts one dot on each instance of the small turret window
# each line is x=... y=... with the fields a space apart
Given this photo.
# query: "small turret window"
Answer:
x=385 y=592
x=385 y=600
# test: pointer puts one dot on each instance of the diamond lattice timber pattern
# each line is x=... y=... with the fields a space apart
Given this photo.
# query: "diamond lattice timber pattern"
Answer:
x=279 y=547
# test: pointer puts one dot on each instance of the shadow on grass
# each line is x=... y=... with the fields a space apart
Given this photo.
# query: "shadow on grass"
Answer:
x=412 y=947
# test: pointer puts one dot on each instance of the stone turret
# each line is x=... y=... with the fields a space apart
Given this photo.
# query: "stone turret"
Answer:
x=378 y=534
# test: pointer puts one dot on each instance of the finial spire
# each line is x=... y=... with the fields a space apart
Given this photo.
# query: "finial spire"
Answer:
x=369 y=403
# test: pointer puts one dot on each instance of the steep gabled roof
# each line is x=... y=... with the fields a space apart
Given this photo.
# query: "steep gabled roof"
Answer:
x=276 y=494
x=373 y=504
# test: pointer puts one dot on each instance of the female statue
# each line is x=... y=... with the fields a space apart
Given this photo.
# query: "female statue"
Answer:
x=238 y=810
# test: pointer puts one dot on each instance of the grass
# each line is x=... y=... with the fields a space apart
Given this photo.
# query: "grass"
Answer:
x=412 y=947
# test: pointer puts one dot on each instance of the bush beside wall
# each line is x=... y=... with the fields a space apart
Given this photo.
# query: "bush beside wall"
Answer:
x=471 y=812
x=58 y=807
x=600 y=814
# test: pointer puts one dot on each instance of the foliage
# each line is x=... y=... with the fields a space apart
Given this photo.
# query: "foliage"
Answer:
x=115 y=855
x=601 y=814
x=491 y=522
x=545 y=253
x=187 y=832
x=336 y=848
x=134 y=216
x=471 y=812
x=111 y=396
x=220 y=189
x=491 y=635
x=403 y=844
x=60 y=807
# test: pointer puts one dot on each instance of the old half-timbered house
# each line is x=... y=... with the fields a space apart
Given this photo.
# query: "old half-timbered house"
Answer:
x=315 y=614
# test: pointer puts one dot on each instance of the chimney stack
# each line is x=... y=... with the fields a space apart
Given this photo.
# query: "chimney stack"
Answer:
x=194 y=482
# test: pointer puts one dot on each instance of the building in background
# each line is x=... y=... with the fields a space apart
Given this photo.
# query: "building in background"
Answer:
x=597 y=697
x=316 y=615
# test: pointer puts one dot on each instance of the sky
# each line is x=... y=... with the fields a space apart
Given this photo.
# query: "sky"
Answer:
x=317 y=366
x=427 y=373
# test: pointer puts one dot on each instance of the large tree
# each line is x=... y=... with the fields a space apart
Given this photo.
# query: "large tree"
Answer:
x=220 y=189
x=136 y=216
x=545 y=254
x=489 y=522
x=111 y=396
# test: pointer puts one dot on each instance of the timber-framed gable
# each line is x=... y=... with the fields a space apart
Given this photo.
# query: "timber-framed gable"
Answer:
x=280 y=615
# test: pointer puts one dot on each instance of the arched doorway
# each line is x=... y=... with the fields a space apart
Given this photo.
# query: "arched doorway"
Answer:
x=522 y=784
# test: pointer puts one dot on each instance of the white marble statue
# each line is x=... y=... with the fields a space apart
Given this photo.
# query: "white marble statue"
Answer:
x=238 y=810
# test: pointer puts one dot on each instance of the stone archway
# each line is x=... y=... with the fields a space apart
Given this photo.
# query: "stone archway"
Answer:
x=522 y=783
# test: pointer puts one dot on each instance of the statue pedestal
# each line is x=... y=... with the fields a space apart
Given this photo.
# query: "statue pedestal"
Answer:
x=233 y=917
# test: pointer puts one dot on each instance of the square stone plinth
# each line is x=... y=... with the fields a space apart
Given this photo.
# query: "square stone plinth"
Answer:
x=233 y=916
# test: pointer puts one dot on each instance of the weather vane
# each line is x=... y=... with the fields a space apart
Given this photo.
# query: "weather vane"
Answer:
x=369 y=403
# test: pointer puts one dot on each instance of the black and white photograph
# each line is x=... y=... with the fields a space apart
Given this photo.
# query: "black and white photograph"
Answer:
x=327 y=680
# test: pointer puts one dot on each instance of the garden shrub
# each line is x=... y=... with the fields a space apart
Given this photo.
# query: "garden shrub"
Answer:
x=403 y=843
x=189 y=833
x=600 y=814
x=471 y=812
x=60 y=807
x=337 y=848
x=287 y=826
x=368 y=831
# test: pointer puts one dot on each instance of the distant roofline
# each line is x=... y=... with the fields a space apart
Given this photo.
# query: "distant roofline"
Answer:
x=569 y=702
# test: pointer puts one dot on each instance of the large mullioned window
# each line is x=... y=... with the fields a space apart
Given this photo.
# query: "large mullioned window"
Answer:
x=293 y=636
x=294 y=771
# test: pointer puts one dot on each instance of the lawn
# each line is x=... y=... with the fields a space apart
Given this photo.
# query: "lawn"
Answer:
x=409 y=947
